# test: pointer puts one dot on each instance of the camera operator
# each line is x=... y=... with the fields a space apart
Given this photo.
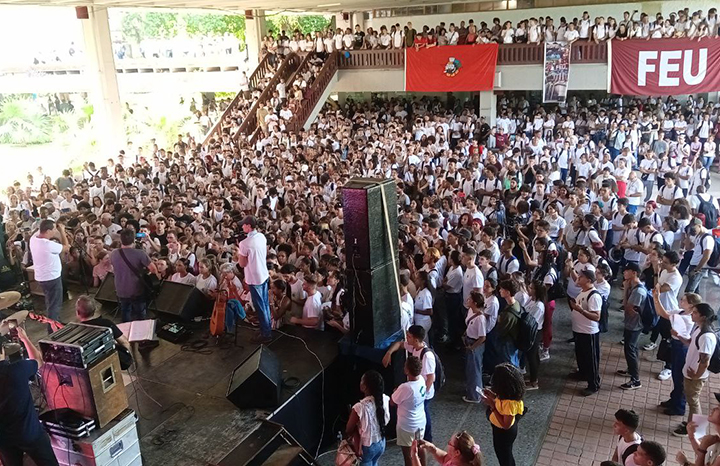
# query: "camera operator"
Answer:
x=46 y=252
x=20 y=429
x=129 y=263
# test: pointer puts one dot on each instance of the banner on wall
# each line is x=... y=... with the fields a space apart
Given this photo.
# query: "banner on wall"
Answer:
x=665 y=66
x=454 y=68
x=556 y=72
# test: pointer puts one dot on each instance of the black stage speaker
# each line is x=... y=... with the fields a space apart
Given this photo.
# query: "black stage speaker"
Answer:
x=106 y=292
x=178 y=299
x=366 y=238
x=256 y=382
x=373 y=304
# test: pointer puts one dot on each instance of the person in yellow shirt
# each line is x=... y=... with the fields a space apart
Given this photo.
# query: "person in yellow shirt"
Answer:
x=505 y=402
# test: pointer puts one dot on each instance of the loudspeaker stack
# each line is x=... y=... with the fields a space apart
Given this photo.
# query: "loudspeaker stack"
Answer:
x=371 y=238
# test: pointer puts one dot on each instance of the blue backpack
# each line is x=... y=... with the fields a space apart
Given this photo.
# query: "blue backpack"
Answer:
x=648 y=314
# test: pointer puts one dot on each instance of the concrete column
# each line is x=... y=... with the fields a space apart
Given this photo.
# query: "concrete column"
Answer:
x=358 y=17
x=488 y=106
x=254 y=33
x=104 y=94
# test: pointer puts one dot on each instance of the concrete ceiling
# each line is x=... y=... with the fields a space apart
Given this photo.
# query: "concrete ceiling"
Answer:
x=236 y=5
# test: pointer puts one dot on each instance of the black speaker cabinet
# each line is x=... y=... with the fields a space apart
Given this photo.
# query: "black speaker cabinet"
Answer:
x=178 y=299
x=106 y=292
x=256 y=382
x=373 y=304
x=366 y=239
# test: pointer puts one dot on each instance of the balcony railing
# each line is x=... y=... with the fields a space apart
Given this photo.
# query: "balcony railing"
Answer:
x=508 y=54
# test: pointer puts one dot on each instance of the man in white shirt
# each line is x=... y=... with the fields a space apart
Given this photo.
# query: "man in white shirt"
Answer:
x=409 y=398
x=47 y=265
x=700 y=347
x=702 y=243
x=252 y=253
x=585 y=326
x=312 y=316
x=667 y=195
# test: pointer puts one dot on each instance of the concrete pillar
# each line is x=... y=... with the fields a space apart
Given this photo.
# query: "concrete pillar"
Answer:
x=488 y=106
x=104 y=95
x=358 y=17
x=254 y=33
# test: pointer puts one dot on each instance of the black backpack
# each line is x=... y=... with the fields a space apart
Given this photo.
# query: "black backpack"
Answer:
x=604 y=312
x=439 y=369
x=709 y=211
x=527 y=329
x=714 y=259
x=714 y=364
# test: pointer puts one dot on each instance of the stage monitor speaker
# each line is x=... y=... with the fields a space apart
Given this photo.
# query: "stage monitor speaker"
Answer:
x=106 y=293
x=95 y=392
x=364 y=222
x=256 y=382
x=178 y=299
x=373 y=304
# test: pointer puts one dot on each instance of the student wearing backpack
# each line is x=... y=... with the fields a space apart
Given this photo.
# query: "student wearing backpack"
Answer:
x=585 y=317
x=635 y=296
x=703 y=203
x=701 y=346
x=625 y=426
x=681 y=320
x=415 y=345
x=702 y=243
x=508 y=324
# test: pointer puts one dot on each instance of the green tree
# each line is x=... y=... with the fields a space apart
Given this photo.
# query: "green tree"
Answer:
x=23 y=122
x=307 y=24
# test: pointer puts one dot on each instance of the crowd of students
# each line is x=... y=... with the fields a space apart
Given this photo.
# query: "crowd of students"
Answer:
x=493 y=221
x=534 y=30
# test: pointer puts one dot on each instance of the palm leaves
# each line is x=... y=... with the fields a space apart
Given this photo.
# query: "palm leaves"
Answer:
x=23 y=122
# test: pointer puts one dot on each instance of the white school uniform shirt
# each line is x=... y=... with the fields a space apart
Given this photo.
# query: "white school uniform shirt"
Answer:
x=537 y=310
x=476 y=325
x=423 y=300
x=580 y=323
x=704 y=344
x=428 y=365
x=313 y=308
x=410 y=400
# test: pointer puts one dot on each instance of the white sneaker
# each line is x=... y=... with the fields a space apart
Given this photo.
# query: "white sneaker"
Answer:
x=545 y=355
x=665 y=374
x=650 y=346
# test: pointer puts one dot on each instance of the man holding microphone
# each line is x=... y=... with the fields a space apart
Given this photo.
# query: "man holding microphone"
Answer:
x=46 y=252
x=252 y=253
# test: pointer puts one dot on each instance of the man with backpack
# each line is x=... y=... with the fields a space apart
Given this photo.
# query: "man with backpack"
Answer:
x=702 y=243
x=704 y=204
x=635 y=296
x=701 y=348
x=586 y=309
x=415 y=345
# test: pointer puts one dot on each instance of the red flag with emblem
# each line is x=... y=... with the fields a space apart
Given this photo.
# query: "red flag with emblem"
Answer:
x=454 y=68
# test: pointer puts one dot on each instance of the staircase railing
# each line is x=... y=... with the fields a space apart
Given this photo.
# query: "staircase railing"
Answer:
x=250 y=124
x=254 y=80
x=313 y=93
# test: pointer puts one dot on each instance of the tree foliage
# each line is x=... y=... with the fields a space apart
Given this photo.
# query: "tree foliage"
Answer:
x=307 y=24
x=23 y=122
x=160 y=25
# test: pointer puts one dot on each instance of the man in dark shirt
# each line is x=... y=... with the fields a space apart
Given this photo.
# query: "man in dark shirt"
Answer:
x=359 y=37
x=20 y=429
x=129 y=286
x=85 y=308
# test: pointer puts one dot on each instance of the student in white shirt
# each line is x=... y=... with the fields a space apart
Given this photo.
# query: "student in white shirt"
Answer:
x=423 y=300
x=536 y=308
x=474 y=341
x=312 y=316
x=626 y=423
x=409 y=398
x=453 y=286
x=701 y=346
x=369 y=417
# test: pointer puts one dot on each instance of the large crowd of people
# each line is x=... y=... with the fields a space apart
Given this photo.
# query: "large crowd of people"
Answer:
x=493 y=221
x=549 y=205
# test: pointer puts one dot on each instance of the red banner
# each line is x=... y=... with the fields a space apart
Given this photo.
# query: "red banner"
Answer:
x=451 y=69
x=665 y=66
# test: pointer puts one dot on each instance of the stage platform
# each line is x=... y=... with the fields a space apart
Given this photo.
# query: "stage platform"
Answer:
x=193 y=423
